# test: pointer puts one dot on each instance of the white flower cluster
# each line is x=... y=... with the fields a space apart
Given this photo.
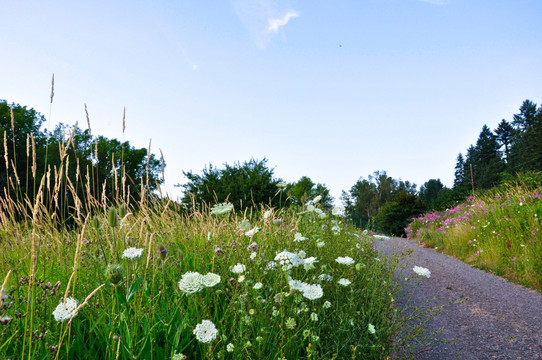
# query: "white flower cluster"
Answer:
x=288 y=260
x=299 y=237
x=311 y=292
x=65 y=310
x=346 y=260
x=221 y=209
x=421 y=271
x=344 y=282
x=132 y=253
x=238 y=269
x=192 y=281
x=206 y=331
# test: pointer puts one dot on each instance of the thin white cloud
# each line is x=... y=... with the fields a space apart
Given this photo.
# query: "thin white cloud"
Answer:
x=275 y=24
x=436 y=2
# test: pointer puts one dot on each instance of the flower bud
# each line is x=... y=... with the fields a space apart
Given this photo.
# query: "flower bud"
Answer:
x=114 y=273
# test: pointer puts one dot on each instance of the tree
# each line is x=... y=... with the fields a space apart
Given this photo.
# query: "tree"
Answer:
x=526 y=151
x=486 y=160
x=305 y=190
x=505 y=136
x=247 y=185
x=396 y=214
x=526 y=116
x=429 y=192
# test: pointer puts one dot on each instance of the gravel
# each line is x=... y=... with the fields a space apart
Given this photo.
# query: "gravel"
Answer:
x=484 y=316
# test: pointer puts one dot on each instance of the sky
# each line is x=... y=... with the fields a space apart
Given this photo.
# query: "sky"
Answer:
x=332 y=90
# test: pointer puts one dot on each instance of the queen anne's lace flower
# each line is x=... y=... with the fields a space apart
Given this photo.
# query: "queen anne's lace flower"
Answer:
x=288 y=260
x=344 y=282
x=325 y=277
x=65 y=310
x=258 y=286
x=238 y=269
x=252 y=232
x=313 y=292
x=132 y=253
x=191 y=282
x=221 y=209
x=346 y=260
x=206 y=331
x=421 y=271
x=210 y=280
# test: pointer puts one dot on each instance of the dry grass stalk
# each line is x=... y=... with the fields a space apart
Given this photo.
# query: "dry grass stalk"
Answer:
x=76 y=257
x=4 y=288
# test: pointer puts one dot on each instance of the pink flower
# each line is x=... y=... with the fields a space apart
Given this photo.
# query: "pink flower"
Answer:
x=478 y=253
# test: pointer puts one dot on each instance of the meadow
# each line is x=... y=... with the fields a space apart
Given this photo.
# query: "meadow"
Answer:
x=498 y=231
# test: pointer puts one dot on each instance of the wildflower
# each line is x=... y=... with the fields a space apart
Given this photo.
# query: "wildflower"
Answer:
x=288 y=260
x=359 y=266
x=65 y=310
x=317 y=199
x=253 y=255
x=277 y=221
x=371 y=329
x=218 y=250
x=267 y=214
x=298 y=237
x=222 y=209
x=252 y=232
x=230 y=347
x=315 y=338
x=114 y=273
x=308 y=263
x=191 y=282
x=238 y=268
x=347 y=260
x=241 y=278
x=320 y=244
x=344 y=282
x=306 y=333
x=253 y=246
x=421 y=271
x=326 y=305
x=297 y=284
x=302 y=254
x=258 y=286
x=313 y=292
x=338 y=210
x=132 y=253
x=205 y=331
x=314 y=316
x=290 y=323
x=325 y=277
x=210 y=280
x=178 y=356
x=281 y=185
x=162 y=252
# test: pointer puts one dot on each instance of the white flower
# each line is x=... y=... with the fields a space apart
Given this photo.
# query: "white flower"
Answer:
x=230 y=347
x=221 y=209
x=238 y=268
x=297 y=284
x=338 y=210
x=346 y=260
x=288 y=260
x=271 y=265
x=336 y=229
x=344 y=282
x=132 y=253
x=298 y=237
x=210 y=280
x=267 y=214
x=277 y=221
x=313 y=292
x=252 y=232
x=326 y=305
x=308 y=263
x=258 y=286
x=206 y=331
x=65 y=310
x=325 y=277
x=253 y=255
x=191 y=282
x=310 y=208
x=320 y=244
x=381 y=237
x=320 y=213
x=302 y=254
x=241 y=278
x=282 y=185
x=371 y=329
x=317 y=199
x=421 y=271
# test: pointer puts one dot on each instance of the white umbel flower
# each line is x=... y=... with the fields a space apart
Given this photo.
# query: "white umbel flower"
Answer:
x=132 y=253
x=238 y=269
x=344 y=282
x=288 y=260
x=206 y=331
x=210 y=280
x=421 y=271
x=191 y=282
x=65 y=310
x=313 y=292
x=346 y=260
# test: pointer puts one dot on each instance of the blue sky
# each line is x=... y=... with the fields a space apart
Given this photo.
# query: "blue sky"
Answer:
x=333 y=90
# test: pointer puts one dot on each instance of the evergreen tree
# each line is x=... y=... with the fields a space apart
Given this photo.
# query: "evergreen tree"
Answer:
x=505 y=136
x=486 y=160
x=460 y=178
x=429 y=192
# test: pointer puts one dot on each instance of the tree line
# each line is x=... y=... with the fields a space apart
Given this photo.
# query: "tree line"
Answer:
x=73 y=164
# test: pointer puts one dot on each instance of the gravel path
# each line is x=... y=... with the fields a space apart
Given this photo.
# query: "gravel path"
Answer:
x=488 y=318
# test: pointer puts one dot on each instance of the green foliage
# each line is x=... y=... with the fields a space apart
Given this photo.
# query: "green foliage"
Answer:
x=366 y=198
x=395 y=215
x=249 y=185
x=305 y=190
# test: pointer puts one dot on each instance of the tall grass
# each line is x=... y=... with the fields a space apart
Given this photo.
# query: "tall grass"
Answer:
x=110 y=283
x=499 y=231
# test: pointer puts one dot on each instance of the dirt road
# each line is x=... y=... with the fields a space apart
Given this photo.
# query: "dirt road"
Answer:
x=489 y=318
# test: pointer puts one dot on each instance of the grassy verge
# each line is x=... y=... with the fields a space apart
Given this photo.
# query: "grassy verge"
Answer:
x=499 y=231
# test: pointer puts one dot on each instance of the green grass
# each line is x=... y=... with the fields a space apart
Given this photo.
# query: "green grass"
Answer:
x=499 y=231
x=146 y=316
